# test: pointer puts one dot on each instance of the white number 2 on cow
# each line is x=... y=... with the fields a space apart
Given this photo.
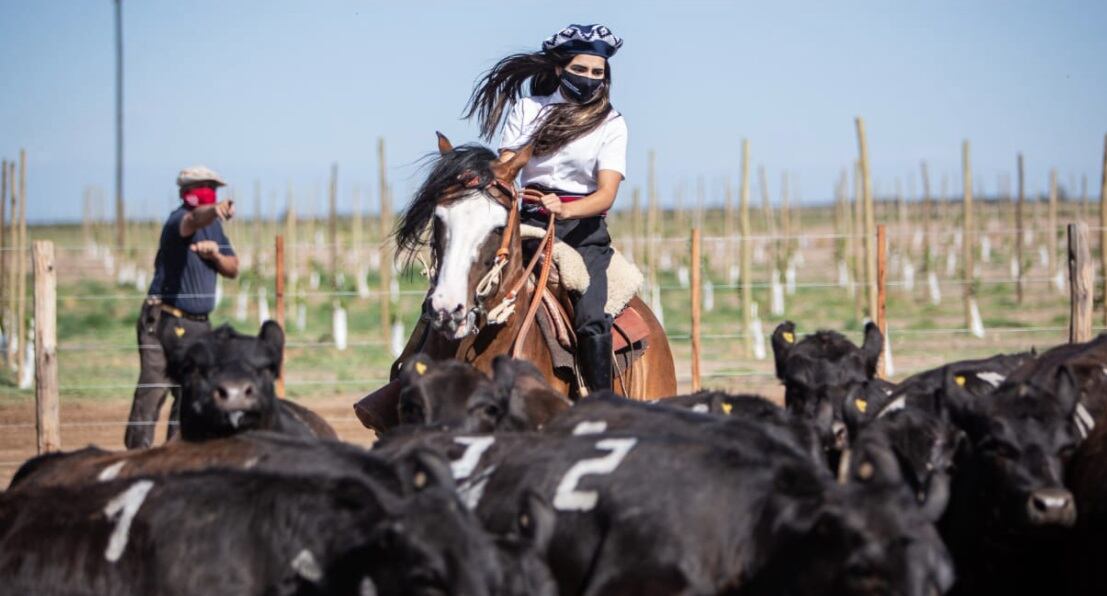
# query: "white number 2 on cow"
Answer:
x=125 y=505
x=568 y=496
x=474 y=449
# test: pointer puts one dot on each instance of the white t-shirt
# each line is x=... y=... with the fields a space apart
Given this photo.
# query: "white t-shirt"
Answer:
x=575 y=168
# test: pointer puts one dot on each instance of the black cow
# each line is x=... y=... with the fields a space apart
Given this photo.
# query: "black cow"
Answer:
x=776 y=429
x=1009 y=510
x=1087 y=548
x=518 y=398
x=663 y=514
x=820 y=372
x=437 y=393
x=227 y=386
x=907 y=448
x=252 y=450
x=978 y=378
x=1088 y=363
x=236 y=533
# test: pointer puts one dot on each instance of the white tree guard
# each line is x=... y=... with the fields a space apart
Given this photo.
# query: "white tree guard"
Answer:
x=338 y=327
x=933 y=289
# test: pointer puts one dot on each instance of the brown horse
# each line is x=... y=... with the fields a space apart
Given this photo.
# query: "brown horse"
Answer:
x=469 y=204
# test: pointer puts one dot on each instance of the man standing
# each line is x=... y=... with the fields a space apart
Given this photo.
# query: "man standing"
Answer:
x=191 y=252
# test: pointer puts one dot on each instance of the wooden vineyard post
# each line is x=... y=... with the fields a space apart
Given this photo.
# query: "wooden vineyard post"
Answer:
x=21 y=280
x=1103 y=223
x=746 y=263
x=881 y=295
x=1081 y=283
x=696 y=305
x=928 y=248
x=5 y=324
x=332 y=225
x=278 y=250
x=870 y=218
x=728 y=231
x=1020 y=233
x=1051 y=238
x=967 y=232
x=46 y=348
x=385 y=247
x=13 y=265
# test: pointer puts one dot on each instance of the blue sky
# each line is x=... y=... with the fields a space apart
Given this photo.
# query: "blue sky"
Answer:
x=277 y=90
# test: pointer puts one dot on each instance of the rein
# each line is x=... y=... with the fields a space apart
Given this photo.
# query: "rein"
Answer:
x=502 y=311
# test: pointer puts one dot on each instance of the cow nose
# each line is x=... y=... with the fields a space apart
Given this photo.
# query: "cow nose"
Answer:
x=236 y=395
x=1051 y=506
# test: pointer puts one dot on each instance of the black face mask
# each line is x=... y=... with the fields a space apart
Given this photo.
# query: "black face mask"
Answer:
x=578 y=88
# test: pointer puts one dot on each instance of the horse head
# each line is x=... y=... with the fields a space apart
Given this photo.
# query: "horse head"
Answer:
x=466 y=201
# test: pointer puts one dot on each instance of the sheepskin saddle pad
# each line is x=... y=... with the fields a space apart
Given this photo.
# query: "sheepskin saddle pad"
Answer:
x=569 y=273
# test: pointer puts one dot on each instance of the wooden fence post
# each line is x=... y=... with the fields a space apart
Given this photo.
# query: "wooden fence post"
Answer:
x=46 y=348
x=21 y=281
x=696 y=303
x=13 y=267
x=5 y=323
x=967 y=231
x=1081 y=283
x=745 y=260
x=280 y=306
x=881 y=295
x=332 y=224
x=870 y=218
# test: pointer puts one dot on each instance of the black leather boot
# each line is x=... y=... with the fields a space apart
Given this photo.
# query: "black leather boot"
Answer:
x=595 y=360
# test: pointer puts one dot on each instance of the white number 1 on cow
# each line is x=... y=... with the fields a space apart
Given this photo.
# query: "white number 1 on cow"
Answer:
x=568 y=497
x=126 y=505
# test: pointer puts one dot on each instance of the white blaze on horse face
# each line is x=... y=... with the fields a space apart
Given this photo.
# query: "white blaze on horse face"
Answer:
x=468 y=222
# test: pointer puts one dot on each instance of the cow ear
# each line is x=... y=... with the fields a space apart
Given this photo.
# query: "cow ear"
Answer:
x=1067 y=389
x=272 y=336
x=431 y=470
x=956 y=401
x=537 y=521
x=416 y=368
x=503 y=371
x=485 y=408
x=194 y=356
x=444 y=144
x=784 y=337
x=871 y=349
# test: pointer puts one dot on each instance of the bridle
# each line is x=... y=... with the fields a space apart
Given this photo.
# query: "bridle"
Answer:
x=505 y=193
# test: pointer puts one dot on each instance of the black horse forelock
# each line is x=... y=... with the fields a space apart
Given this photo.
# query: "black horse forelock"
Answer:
x=411 y=232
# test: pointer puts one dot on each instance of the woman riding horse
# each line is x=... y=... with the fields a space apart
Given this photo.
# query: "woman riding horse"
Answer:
x=579 y=147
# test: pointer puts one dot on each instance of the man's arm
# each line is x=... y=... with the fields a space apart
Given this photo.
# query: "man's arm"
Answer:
x=202 y=216
x=225 y=265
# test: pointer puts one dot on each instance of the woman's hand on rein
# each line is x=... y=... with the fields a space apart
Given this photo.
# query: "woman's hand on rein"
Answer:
x=549 y=201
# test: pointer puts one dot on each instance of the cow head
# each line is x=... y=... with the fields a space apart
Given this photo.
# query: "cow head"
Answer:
x=908 y=449
x=518 y=398
x=435 y=393
x=855 y=540
x=1021 y=438
x=523 y=551
x=227 y=381
x=431 y=543
x=819 y=372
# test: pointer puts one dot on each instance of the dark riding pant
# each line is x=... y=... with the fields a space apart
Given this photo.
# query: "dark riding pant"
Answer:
x=159 y=333
x=590 y=238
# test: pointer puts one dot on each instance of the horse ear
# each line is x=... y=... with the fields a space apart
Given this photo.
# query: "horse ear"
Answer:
x=444 y=145
x=509 y=169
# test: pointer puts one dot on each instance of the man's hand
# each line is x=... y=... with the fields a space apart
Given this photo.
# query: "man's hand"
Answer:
x=207 y=249
x=549 y=201
x=224 y=209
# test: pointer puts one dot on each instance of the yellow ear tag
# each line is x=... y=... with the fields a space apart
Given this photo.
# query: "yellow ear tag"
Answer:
x=789 y=337
x=861 y=405
x=420 y=368
x=727 y=408
x=179 y=331
x=960 y=380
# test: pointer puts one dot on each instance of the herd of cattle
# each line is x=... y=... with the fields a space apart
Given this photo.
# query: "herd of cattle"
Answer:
x=978 y=477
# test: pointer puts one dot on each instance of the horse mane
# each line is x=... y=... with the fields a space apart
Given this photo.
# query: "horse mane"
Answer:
x=412 y=230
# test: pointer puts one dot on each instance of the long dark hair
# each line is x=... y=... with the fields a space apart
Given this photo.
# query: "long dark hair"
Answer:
x=562 y=123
